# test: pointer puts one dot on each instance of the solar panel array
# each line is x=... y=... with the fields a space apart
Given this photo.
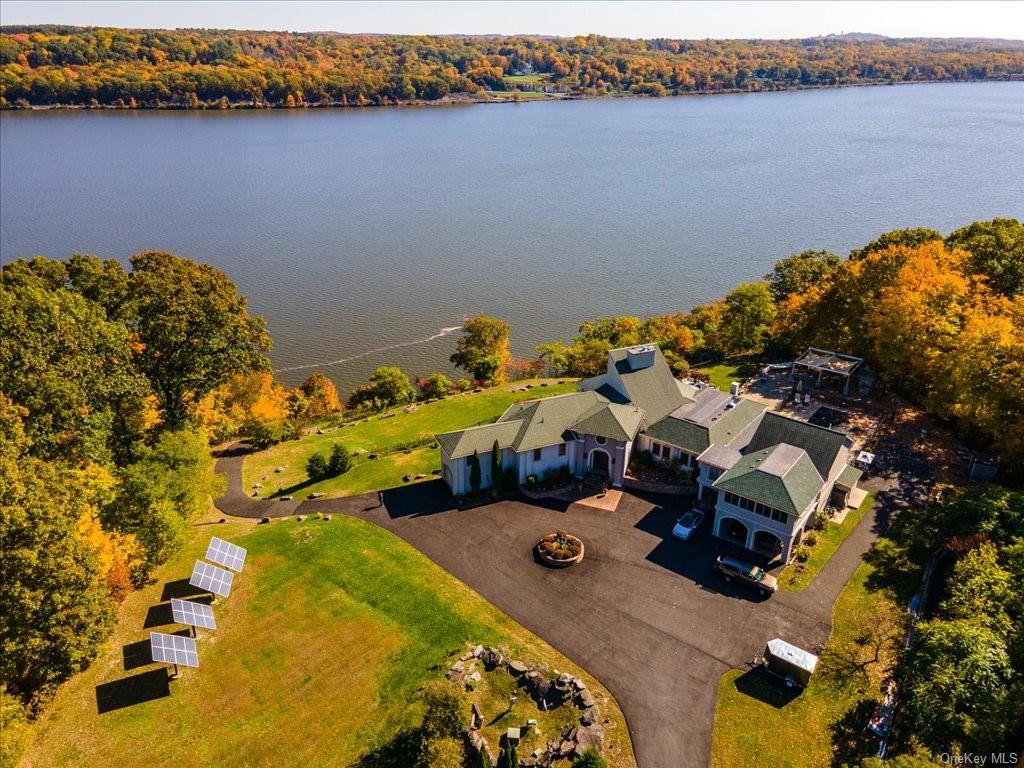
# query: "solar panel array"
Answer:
x=225 y=553
x=211 y=578
x=193 y=614
x=173 y=649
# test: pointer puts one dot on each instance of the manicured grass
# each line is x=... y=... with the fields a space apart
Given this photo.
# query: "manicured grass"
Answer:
x=320 y=651
x=525 y=79
x=760 y=722
x=724 y=374
x=382 y=434
x=796 y=576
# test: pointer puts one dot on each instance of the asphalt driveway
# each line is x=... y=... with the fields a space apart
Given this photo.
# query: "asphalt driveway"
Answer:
x=643 y=612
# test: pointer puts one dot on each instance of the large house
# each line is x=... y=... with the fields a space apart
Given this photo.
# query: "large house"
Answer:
x=767 y=475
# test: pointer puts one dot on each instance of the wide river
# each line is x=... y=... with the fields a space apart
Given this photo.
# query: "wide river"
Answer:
x=362 y=233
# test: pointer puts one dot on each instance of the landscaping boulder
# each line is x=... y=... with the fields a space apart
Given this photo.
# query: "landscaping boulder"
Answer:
x=537 y=685
x=586 y=699
x=517 y=668
x=588 y=737
x=589 y=716
x=491 y=658
x=477 y=651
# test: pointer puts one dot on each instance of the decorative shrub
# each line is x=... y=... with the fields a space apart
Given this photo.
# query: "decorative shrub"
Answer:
x=590 y=759
x=810 y=539
x=340 y=461
x=316 y=466
x=531 y=481
x=510 y=479
x=802 y=554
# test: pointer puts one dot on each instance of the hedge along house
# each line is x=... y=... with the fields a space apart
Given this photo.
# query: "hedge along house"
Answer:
x=766 y=474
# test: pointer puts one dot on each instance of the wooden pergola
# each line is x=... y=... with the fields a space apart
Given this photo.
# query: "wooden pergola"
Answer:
x=822 y=361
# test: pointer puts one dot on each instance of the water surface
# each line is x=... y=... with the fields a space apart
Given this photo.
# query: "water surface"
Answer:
x=356 y=230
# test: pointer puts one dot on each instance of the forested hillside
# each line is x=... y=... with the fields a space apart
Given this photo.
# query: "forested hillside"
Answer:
x=49 y=65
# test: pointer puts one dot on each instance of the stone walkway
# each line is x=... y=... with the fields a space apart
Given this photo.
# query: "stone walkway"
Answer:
x=644 y=613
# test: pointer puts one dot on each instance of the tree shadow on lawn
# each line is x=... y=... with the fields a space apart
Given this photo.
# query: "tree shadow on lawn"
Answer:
x=129 y=691
x=401 y=751
x=851 y=740
x=760 y=685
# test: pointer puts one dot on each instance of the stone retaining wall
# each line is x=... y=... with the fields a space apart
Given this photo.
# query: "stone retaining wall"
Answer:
x=669 y=489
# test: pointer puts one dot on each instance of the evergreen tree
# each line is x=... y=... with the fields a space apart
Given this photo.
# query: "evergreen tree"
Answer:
x=474 y=472
x=496 y=478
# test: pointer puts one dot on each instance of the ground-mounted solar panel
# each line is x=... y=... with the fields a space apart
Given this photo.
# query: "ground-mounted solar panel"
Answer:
x=211 y=578
x=174 y=649
x=225 y=553
x=192 y=613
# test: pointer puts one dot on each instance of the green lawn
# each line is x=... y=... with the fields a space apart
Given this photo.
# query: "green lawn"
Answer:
x=318 y=657
x=382 y=434
x=758 y=722
x=724 y=374
x=533 y=79
x=796 y=576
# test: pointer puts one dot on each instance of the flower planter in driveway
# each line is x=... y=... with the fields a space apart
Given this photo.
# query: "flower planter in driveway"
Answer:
x=570 y=553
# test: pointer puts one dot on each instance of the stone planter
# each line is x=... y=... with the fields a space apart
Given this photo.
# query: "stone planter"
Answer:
x=555 y=561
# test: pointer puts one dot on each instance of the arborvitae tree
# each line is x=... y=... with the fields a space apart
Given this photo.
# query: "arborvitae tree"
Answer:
x=474 y=472
x=496 y=478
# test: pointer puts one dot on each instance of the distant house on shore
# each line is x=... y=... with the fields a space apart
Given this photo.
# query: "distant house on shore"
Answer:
x=769 y=474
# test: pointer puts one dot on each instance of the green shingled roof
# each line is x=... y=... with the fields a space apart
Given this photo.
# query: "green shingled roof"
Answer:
x=611 y=420
x=652 y=389
x=545 y=422
x=791 y=490
x=481 y=439
x=822 y=444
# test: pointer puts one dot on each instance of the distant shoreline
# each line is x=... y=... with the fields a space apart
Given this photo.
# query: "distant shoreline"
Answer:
x=487 y=97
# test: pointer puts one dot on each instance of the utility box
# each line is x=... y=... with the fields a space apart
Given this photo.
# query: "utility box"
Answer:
x=785 y=660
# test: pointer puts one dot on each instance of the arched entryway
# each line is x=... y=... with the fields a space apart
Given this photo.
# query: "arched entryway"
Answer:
x=600 y=462
x=767 y=543
x=733 y=530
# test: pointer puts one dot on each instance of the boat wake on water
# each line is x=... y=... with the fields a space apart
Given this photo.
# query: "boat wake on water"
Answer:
x=447 y=331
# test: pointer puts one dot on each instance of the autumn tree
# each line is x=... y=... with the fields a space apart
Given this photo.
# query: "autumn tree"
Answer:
x=388 y=386
x=907 y=238
x=435 y=385
x=997 y=251
x=54 y=596
x=161 y=492
x=194 y=330
x=321 y=396
x=483 y=349
x=801 y=271
x=69 y=366
x=980 y=590
x=957 y=673
x=749 y=312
